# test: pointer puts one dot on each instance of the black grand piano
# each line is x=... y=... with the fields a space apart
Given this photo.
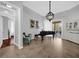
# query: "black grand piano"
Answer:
x=44 y=33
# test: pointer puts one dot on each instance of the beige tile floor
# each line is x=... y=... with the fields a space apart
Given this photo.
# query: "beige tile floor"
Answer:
x=49 y=48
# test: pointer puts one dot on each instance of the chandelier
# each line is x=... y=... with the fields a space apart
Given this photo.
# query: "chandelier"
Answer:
x=50 y=15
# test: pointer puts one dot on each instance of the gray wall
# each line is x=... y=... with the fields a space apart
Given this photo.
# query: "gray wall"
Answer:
x=1 y=29
x=29 y=14
x=71 y=15
x=5 y=27
x=23 y=23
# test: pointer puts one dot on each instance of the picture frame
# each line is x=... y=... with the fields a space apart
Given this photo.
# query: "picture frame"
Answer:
x=37 y=24
x=70 y=25
x=75 y=25
x=32 y=23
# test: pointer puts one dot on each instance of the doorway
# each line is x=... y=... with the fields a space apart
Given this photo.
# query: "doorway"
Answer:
x=57 y=28
x=12 y=11
x=11 y=30
x=8 y=24
x=8 y=31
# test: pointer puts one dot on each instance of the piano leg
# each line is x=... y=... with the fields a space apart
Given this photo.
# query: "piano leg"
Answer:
x=53 y=36
x=42 y=38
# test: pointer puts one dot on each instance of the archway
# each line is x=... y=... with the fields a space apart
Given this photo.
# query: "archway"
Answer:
x=13 y=12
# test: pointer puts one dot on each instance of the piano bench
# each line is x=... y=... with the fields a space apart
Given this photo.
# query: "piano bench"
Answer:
x=36 y=36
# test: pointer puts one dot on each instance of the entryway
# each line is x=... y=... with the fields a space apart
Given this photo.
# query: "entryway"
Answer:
x=8 y=28
x=57 y=28
x=10 y=24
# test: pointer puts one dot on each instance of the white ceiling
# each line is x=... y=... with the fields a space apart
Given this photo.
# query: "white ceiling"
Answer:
x=41 y=7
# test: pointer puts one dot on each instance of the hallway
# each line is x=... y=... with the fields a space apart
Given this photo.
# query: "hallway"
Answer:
x=49 y=48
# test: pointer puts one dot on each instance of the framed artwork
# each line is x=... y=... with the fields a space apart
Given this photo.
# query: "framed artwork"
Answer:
x=67 y=26
x=32 y=23
x=75 y=25
x=70 y=25
x=37 y=26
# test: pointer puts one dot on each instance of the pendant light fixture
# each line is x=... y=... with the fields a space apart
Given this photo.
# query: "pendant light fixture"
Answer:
x=50 y=15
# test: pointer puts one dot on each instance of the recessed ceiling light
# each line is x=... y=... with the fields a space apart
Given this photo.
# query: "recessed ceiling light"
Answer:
x=9 y=6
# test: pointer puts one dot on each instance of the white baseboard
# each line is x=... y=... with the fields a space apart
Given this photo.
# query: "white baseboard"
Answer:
x=16 y=44
x=19 y=47
x=71 y=41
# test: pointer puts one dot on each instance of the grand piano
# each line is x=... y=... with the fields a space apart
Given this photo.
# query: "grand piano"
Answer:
x=44 y=33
